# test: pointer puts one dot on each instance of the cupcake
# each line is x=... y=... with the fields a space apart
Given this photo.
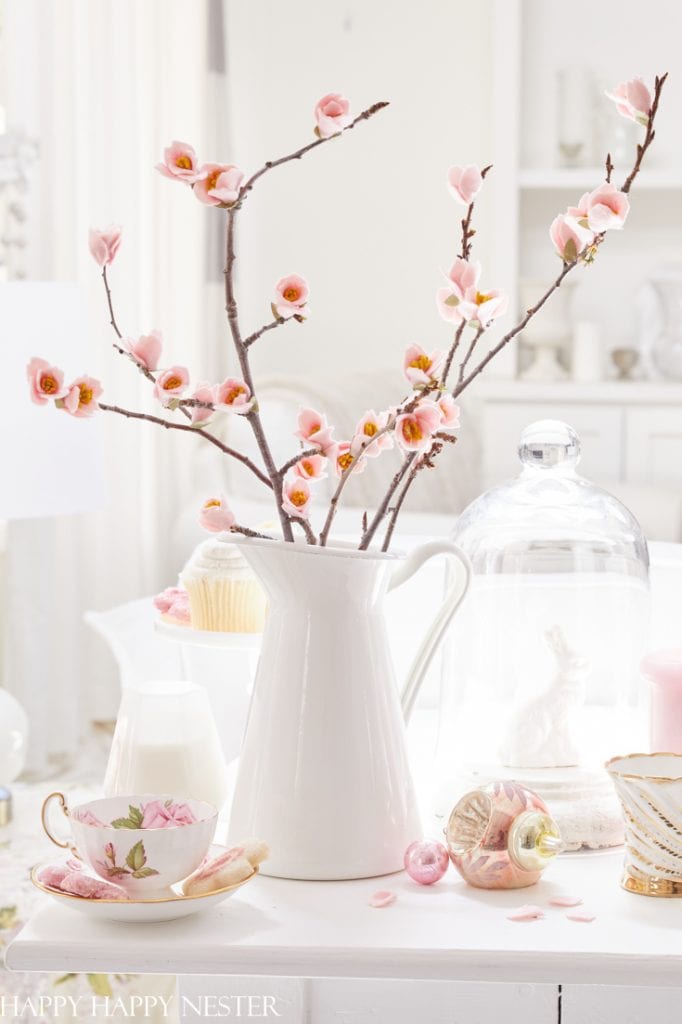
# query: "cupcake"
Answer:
x=224 y=594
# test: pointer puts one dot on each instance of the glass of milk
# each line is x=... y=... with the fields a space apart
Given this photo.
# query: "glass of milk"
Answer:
x=166 y=742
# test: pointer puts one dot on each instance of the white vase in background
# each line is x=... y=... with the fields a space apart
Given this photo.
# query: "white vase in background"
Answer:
x=323 y=774
x=548 y=334
x=587 y=354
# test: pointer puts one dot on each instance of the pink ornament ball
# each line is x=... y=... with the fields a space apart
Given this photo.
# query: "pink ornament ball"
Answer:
x=426 y=861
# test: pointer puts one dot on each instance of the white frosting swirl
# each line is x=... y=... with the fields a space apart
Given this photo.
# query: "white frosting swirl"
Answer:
x=219 y=558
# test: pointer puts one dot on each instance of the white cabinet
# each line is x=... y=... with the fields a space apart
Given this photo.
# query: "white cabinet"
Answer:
x=631 y=432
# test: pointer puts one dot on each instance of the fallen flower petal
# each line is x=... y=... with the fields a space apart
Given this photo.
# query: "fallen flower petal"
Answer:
x=382 y=898
x=565 y=901
x=584 y=916
x=528 y=912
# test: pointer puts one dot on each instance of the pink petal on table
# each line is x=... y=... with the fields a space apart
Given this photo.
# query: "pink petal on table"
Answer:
x=528 y=912
x=382 y=898
x=565 y=901
x=586 y=916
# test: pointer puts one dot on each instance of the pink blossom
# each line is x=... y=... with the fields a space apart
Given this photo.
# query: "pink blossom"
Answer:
x=165 y=600
x=45 y=381
x=201 y=414
x=311 y=467
x=81 y=398
x=633 y=100
x=420 y=368
x=157 y=814
x=104 y=244
x=332 y=115
x=145 y=350
x=314 y=430
x=481 y=308
x=461 y=280
x=234 y=394
x=342 y=458
x=291 y=297
x=603 y=209
x=464 y=183
x=449 y=411
x=370 y=426
x=180 y=163
x=171 y=384
x=216 y=516
x=296 y=496
x=218 y=184
x=413 y=430
x=569 y=238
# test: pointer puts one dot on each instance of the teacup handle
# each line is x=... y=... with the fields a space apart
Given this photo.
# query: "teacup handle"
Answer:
x=44 y=816
x=460 y=578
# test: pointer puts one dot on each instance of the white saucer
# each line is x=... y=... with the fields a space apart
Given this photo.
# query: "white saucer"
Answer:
x=166 y=908
x=208 y=638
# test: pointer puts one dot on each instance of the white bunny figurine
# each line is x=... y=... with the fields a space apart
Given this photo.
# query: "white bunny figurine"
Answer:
x=542 y=732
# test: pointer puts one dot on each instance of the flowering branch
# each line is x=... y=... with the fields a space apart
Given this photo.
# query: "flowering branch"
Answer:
x=169 y=425
x=649 y=136
x=306 y=454
x=383 y=508
x=297 y=154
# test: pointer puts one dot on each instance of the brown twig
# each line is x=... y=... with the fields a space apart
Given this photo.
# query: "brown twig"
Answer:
x=649 y=136
x=305 y=454
x=306 y=527
x=529 y=314
x=378 y=516
x=609 y=167
x=467 y=231
x=451 y=354
x=169 y=425
x=268 y=327
x=119 y=348
x=395 y=510
x=469 y=353
x=247 y=532
x=253 y=417
x=248 y=185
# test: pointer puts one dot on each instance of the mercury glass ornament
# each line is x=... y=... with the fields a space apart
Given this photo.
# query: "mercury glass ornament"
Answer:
x=540 y=680
x=426 y=861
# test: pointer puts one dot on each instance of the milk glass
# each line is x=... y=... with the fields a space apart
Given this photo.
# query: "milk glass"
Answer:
x=166 y=741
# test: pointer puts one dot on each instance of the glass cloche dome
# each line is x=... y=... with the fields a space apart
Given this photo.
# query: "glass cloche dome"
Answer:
x=540 y=678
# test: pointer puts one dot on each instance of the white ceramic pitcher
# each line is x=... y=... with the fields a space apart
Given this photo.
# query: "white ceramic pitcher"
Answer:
x=323 y=774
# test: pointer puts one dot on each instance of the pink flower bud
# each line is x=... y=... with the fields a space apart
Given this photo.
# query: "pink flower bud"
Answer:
x=104 y=244
x=464 y=183
x=332 y=115
x=569 y=238
x=604 y=209
x=633 y=100
x=146 y=350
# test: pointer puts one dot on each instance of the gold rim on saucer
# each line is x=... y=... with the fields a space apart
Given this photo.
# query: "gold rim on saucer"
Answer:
x=650 y=757
x=177 y=898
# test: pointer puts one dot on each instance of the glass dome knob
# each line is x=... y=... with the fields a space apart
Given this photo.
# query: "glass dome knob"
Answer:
x=548 y=444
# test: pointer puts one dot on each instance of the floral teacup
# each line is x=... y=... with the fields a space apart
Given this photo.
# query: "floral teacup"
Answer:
x=143 y=843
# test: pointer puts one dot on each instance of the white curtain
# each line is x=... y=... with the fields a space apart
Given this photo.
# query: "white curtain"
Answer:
x=104 y=86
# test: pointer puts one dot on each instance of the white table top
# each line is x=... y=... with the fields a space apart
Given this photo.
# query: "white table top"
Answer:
x=326 y=929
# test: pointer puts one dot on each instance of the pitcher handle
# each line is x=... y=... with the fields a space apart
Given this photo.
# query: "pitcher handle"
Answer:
x=454 y=597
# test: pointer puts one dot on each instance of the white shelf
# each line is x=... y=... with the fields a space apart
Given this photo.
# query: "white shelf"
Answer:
x=587 y=178
x=608 y=392
x=327 y=930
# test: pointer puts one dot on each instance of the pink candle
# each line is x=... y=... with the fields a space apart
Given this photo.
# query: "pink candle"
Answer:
x=663 y=670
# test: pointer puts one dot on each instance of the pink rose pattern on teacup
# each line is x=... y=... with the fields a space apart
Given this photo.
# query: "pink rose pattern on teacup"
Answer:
x=135 y=863
x=154 y=814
